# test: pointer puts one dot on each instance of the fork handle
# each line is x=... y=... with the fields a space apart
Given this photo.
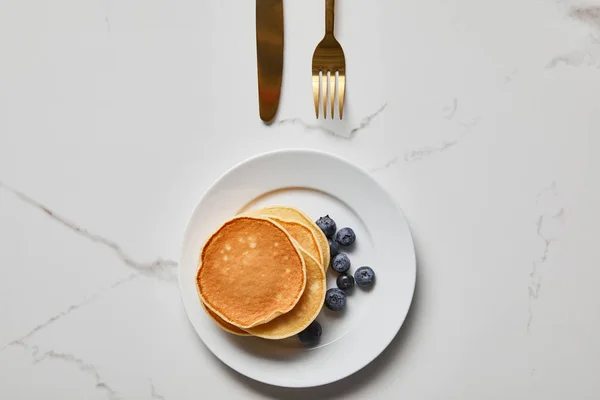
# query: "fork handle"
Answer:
x=329 y=16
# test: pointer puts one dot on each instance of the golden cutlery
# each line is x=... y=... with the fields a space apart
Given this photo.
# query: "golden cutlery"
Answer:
x=329 y=68
x=269 y=55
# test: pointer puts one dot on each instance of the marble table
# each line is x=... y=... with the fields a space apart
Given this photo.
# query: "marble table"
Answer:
x=481 y=118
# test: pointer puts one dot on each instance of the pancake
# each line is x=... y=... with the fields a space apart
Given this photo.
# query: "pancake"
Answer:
x=291 y=214
x=304 y=312
x=300 y=232
x=251 y=271
x=226 y=326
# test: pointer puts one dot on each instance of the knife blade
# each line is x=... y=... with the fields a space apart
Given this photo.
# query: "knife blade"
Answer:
x=269 y=55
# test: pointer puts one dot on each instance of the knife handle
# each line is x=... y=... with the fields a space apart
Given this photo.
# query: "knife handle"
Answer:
x=329 y=16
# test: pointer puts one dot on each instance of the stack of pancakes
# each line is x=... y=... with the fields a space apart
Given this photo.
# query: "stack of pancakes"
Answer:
x=262 y=273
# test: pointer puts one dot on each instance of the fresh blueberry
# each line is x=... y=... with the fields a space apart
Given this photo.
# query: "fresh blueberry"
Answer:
x=340 y=263
x=335 y=299
x=364 y=276
x=345 y=281
x=345 y=236
x=334 y=248
x=311 y=334
x=327 y=225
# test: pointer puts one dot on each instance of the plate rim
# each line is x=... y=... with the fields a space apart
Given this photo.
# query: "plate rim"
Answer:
x=337 y=158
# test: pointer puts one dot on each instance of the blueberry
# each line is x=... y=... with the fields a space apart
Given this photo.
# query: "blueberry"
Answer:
x=311 y=334
x=327 y=225
x=340 y=263
x=335 y=299
x=345 y=281
x=334 y=248
x=364 y=276
x=345 y=236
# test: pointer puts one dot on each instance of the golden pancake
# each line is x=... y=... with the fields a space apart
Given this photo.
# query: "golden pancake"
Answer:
x=305 y=312
x=295 y=321
x=251 y=271
x=300 y=232
x=226 y=326
x=290 y=214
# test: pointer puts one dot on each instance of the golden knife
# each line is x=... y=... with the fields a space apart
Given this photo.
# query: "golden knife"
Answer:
x=269 y=55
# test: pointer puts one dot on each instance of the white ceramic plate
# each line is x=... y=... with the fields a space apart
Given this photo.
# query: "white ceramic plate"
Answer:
x=318 y=184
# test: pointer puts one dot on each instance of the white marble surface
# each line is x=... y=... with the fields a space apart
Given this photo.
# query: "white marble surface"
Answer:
x=482 y=118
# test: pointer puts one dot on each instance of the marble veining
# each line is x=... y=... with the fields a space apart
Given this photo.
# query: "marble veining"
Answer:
x=589 y=53
x=346 y=135
x=385 y=166
x=106 y=5
x=510 y=76
x=154 y=393
x=548 y=229
x=159 y=268
x=163 y=270
x=121 y=114
x=590 y=15
x=53 y=319
x=448 y=113
x=451 y=109
x=81 y=365
x=423 y=152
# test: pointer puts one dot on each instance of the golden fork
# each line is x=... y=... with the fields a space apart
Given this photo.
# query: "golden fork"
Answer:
x=329 y=64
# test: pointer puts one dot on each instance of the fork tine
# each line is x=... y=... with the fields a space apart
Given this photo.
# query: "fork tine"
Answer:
x=325 y=92
x=332 y=92
x=341 y=91
x=316 y=83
